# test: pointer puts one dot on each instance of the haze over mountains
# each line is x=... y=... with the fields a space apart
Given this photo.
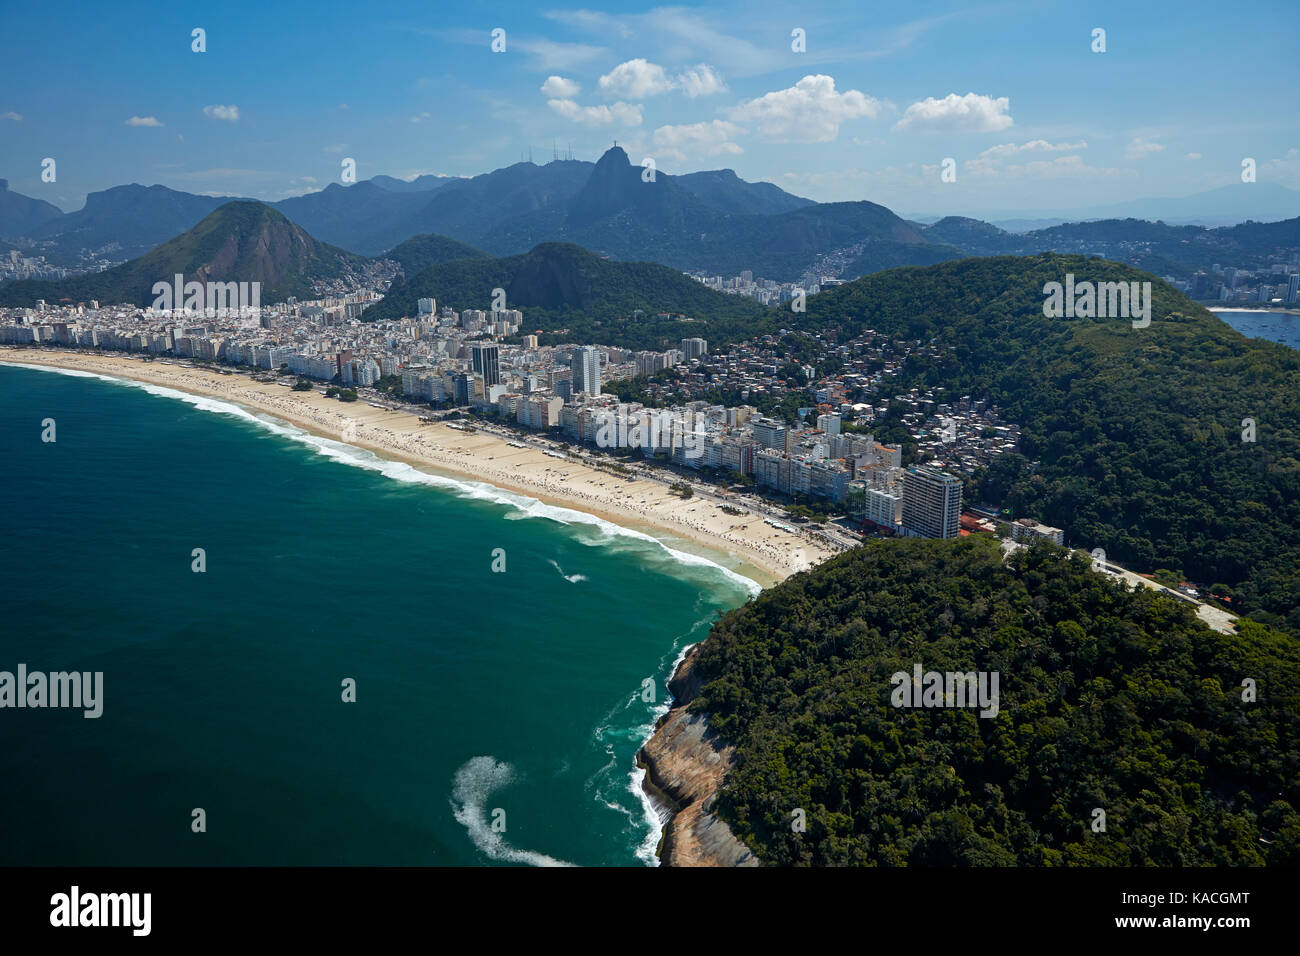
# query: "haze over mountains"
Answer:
x=709 y=221
x=1225 y=206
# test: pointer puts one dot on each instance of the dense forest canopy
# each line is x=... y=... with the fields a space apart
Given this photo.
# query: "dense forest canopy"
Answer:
x=1109 y=699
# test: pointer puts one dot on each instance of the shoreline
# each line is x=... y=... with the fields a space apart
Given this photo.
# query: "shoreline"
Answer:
x=745 y=545
x=1275 y=310
x=685 y=765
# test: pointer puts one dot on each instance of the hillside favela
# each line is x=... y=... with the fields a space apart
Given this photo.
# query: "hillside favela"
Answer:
x=708 y=436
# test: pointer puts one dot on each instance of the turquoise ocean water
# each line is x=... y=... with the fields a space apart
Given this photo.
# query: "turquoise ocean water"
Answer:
x=482 y=698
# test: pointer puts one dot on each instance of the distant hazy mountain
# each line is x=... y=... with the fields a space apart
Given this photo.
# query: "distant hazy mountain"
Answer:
x=604 y=205
x=470 y=209
x=419 y=252
x=126 y=221
x=243 y=241
x=1261 y=201
x=348 y=216
x=1227 y=205
x=725 y=190
x=420 y=184
x=1155 y=246
x=619 y=213
x=709 y=221
x=20 y=214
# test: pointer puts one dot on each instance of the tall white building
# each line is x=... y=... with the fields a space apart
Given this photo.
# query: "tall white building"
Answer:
x=586 y=370
x=830 y=424
x=694 y=348
x=931 y=504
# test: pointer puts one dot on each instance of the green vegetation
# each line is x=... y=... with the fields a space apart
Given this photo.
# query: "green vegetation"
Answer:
x=564 y=287
x=1108 y=698
x=239 y=242
x=302 y=385
x=419 y=252
x=682 y=489
x=1137 y=433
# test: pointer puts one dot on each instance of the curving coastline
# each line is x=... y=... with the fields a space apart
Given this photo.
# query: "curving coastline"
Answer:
x=686 y=764
x=766 y=554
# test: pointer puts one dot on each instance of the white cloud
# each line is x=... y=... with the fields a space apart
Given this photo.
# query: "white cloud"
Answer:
x=1139 y=148
x=144 y=121
x=1060 y=167
x=1192 y=156
x=972 y=113
x=1285 y=169
x=599 y=23
x=626 y=114
x=419 y=117
x=811 y=111
x=557 y=87
x=635 y=79
x=708 y=139
x=702 y=80
x=16 y=117
x=1034 y=145
x=552 y=57
x=229 y=114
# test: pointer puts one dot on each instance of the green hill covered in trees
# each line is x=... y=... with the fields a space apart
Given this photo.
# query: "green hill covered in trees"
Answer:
x=560 y=286
x=242 y=241
x=1137 y=433
x=1109 y=699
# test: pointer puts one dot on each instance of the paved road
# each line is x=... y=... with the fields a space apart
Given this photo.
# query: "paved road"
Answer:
x=1216 y=618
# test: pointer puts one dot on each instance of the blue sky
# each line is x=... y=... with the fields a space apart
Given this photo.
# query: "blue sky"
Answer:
x=1012 y=92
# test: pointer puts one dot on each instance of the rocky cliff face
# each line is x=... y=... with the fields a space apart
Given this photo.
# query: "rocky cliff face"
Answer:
x=685 y=766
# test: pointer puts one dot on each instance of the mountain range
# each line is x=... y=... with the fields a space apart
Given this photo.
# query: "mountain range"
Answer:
x=1229 y=205
x=712 y=222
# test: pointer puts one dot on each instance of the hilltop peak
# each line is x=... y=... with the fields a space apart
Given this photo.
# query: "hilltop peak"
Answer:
x=615 y=155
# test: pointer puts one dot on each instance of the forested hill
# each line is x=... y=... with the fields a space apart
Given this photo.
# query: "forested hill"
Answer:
x=570 y=294
x=1137 y=432
x=1108 y=699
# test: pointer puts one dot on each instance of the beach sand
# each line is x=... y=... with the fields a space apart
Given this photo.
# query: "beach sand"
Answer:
x=695 y=525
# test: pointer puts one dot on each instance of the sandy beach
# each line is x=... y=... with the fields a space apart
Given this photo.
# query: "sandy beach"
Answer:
x=757 y=550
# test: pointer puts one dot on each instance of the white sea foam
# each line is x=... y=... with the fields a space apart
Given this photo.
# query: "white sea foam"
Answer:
x=656 y=816
x=524 y=506
x=571 y=578
x=474 y=784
